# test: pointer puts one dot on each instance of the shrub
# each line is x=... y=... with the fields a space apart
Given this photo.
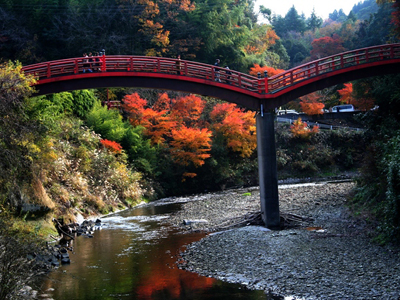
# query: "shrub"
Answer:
x=16 y=268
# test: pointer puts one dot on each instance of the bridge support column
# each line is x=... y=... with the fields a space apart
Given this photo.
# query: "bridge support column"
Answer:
x=267 y=169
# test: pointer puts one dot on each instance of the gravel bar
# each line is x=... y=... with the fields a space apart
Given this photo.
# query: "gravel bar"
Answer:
x=330 y=256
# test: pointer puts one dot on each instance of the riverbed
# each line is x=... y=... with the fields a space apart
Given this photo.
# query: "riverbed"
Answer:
x=198 y=247
x=329 y=256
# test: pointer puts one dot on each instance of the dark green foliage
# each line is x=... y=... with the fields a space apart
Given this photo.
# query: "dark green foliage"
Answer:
x=338 y=16
x=364 y=10
x=110 y=125
x=83 y=102
x=313 y=22
x=329 y=151
x=377 y=29
x=378 y=187
x=296 y=48
x=291 y=22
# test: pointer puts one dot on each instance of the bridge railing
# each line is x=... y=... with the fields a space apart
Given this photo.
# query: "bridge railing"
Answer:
x=332 y=63
x=235 y=79
x=125 y=63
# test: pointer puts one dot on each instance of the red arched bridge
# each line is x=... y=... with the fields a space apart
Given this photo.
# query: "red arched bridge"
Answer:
x=263 y=94
x=198 y=78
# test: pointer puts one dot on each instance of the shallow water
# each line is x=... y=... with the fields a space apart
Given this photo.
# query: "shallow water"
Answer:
x=133 y=257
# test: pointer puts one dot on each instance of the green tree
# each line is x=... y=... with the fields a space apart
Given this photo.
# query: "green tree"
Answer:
x=314 y=22
x=378 y=29
x=294 y=22
x=338 y=16
x=378 y=187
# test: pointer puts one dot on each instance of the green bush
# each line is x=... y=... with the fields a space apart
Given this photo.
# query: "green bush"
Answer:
x=83 y=102
x=391 y=165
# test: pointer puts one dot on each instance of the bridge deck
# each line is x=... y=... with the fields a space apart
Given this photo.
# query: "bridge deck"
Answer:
x=268 y=88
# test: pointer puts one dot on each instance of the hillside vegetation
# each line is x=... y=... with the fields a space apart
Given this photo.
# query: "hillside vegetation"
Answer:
x=66 y=155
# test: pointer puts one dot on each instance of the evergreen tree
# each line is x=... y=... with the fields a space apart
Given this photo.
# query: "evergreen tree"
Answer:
x=378 y=29
x=363 y=10
x=294 y=22
x=314 y=22
x=338 y=16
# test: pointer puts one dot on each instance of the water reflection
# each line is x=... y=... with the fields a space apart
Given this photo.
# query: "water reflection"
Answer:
x=133 y=257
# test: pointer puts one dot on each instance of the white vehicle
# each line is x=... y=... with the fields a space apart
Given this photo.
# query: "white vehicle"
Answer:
x=287 y=111
x=343 y=108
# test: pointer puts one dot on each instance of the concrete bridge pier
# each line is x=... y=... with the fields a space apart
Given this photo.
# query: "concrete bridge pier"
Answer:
x=267 y=169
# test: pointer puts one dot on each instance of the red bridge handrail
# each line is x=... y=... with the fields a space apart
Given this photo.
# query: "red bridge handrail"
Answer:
x=144 y=64
x=332 y=63
x=189 y=69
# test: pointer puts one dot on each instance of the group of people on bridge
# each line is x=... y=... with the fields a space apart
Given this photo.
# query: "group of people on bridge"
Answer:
x=91 y=63
x=217 y=72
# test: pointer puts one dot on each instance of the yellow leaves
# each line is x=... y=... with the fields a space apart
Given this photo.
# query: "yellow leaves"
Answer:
x=263 y=38
x=161 y=38
x=13 y=81
x=150 y=9
x=300 y=129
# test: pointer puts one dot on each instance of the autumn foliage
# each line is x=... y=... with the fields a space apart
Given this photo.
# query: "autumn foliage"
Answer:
x=237 y=126
x=181 y=127
x=346 y=94
x=300 y=129
x=173 y=124
x=190 y=145
x=326 y=46
x=112 y=146
x=264 y=38
x=310 y=105
x=363 y=102
x=270 y=71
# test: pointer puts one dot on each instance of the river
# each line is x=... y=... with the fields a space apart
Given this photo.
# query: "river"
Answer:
x=133 y=257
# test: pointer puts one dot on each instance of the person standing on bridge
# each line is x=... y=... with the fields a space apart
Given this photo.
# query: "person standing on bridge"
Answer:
x=97 y=65
x=228 y=75
x=178 y=65
x=90 y=62
x=217 y=74
x=85 y=62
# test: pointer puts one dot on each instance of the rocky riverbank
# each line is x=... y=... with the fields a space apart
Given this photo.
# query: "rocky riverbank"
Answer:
x=329 y=255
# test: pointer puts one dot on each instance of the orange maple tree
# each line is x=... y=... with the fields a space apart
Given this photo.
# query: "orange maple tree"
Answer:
x=364 y=102
x=326 y=46
x=157 y=122
x=346 y=94
x=300 y=129
x=174 y=124
x=263 y=38
x=237 y=126
x=187 y=109
x=270 y=70
x=310 y=105
x=190 y=145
